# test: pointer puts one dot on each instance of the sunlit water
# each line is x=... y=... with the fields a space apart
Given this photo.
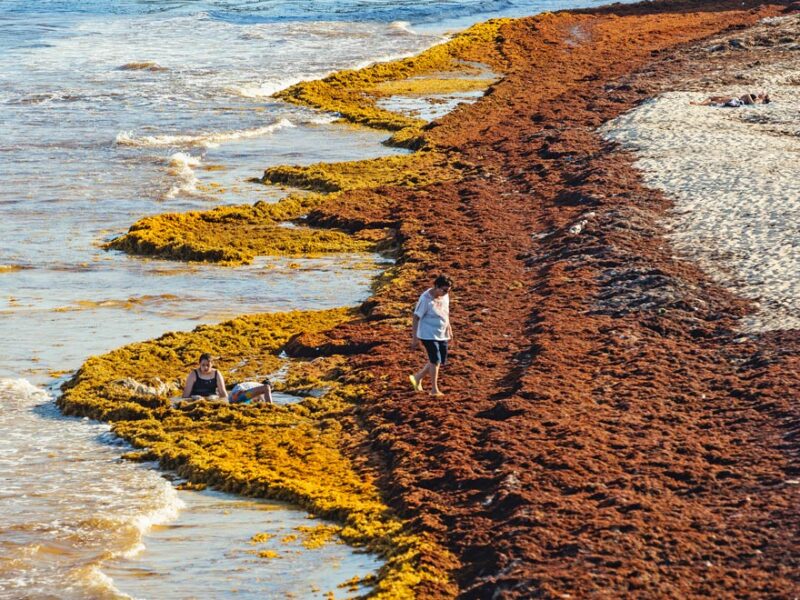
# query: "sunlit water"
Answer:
x=227 y=525
x=78 y=532
x=113 y=110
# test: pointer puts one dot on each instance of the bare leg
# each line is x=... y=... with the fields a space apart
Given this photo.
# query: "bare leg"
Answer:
x=264 y=393
x=422 y=372
x=261 y=393
x=712 y=101
x=434 y=370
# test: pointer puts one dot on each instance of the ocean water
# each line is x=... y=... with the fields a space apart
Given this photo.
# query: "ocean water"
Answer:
x=117 y=109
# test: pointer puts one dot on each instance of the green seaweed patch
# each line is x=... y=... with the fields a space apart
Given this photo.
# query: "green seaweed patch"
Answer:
x=318 y=535
x=291 y=453
x=245 y=347
x=422 y=86
x=10 y=268
x=420 y=168
x=260 y=538
x=235 y=235
x=351 y=93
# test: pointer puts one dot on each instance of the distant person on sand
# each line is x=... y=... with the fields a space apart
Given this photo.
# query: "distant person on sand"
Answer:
x=431 y=326
x=732 y=102
x=205 y=381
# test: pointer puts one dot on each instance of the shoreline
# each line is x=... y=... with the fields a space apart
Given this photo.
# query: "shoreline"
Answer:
x=93 y=393
x=569 y=456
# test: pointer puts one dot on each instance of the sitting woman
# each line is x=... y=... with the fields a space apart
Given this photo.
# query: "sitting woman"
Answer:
x=205 y=381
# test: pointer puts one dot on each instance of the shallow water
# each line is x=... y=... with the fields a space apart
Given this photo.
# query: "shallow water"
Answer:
x=68 y=502
x=222 y=526
x=96 y=309
x=117 y=110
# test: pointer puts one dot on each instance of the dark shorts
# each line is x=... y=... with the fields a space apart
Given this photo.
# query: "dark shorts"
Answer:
x=437 y=351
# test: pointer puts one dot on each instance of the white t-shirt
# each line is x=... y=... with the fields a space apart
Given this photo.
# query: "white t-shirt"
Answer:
x=434 y=316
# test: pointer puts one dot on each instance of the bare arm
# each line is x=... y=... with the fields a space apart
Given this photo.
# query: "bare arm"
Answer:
x=187 y=389
x=221 y=391
x=414 y=325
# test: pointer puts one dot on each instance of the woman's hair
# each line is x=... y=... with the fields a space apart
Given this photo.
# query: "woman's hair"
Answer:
x=443 y=281
x=204 y=356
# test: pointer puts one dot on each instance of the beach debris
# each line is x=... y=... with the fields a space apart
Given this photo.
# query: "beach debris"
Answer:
x=577 y=227
x=145 y=65
x=735 y=44
x=156 y=388
x=195 y=486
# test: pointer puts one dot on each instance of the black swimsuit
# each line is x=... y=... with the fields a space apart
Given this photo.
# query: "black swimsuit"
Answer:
x=204 y=387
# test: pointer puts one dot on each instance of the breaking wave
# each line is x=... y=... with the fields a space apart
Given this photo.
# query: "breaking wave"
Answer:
x=402 y=27
x=182 y=165
x=203 y=140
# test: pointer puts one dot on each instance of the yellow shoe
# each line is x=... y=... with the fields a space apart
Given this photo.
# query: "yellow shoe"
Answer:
x=417 y=385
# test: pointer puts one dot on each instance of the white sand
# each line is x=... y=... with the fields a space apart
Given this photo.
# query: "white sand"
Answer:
x=734 y=175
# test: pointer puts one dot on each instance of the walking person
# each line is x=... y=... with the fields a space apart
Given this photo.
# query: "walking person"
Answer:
x=431 y=326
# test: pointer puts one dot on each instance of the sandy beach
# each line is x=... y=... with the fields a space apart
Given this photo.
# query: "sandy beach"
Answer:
x=732 y=173
x=620 y=417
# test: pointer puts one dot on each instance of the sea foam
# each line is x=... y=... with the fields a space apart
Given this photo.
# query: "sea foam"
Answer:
x=181 y=165
x=402 y=27
x=203 y=140
x=90 y=581
x=263 y=90
x=21 y=391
